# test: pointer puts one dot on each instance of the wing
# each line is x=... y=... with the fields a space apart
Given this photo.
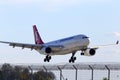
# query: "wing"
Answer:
x=22 y=45
x=33 y=46
x=96 y=47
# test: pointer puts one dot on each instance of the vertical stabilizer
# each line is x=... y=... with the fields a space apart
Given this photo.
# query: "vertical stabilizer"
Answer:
x=37 y=37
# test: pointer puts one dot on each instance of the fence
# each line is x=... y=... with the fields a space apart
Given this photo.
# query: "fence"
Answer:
x=81 y=71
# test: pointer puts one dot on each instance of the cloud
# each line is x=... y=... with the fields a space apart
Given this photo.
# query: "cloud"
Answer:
x=117 y=34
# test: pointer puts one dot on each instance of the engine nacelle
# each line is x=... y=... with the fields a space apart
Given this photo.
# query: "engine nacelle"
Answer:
x=47 y=50
x=50 y=49
x=89 y=52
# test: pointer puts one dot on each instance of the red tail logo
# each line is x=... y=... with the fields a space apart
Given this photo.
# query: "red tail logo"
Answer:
x=37 y=37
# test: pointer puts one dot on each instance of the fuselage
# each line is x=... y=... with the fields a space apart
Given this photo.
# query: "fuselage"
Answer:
x=69 y=45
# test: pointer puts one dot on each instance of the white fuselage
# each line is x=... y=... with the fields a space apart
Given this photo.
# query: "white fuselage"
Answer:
x=69 y=45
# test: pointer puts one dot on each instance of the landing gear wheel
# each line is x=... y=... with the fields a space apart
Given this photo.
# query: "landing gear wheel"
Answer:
x=82 y=53
x=72 y=59
x=47 y=58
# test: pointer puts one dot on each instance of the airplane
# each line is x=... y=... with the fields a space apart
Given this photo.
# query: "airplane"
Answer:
x=59 y=47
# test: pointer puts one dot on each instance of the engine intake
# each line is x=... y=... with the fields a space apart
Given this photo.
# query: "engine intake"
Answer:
x=89 y=52
x=48 y=50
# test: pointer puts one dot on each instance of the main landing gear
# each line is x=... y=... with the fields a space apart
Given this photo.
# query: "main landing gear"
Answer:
x=47 y=58
x=72 y=59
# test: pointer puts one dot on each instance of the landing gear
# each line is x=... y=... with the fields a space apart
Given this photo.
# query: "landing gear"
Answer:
x=72 y=59
x=47 y=58
x=82 y=53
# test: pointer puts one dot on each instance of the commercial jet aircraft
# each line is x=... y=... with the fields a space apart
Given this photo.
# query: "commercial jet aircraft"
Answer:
x=59 y=47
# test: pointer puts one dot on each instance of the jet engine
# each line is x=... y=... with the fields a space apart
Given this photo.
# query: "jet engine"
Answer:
x=47 y=50
x=51 y=49
x=89 y=52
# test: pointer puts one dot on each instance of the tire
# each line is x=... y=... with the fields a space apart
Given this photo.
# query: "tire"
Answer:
x=45 y=60
x=74 y=58
x=82 y=53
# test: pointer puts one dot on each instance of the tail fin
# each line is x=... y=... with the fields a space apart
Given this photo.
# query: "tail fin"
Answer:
x=37 y=37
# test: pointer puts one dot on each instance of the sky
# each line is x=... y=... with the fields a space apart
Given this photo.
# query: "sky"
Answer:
x=56 y=19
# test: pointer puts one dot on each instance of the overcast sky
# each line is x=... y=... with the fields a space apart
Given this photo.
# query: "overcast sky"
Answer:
x=98 y=19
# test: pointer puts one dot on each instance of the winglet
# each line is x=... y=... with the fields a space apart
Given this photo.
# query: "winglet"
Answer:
x=37 y=37
x=117 y=42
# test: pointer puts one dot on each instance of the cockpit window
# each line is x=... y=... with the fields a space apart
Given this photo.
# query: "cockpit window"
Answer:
x=84 y=37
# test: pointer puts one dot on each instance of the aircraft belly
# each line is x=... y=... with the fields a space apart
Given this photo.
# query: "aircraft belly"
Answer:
x=67 y=51
x=73 y=47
